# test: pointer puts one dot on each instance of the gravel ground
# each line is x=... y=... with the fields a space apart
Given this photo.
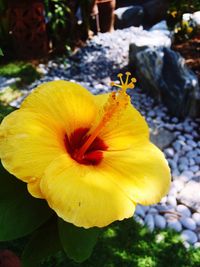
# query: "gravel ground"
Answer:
x=94 y=66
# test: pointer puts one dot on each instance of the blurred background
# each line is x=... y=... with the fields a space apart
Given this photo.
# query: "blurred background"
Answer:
x=37 y=28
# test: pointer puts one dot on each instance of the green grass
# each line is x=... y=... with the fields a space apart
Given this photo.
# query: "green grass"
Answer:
x=127 y=244
x=25 y=71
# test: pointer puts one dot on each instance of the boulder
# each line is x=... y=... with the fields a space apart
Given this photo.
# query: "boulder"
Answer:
x=154 y=11
x=128 y=16
x=163 y=73
x=161 y=137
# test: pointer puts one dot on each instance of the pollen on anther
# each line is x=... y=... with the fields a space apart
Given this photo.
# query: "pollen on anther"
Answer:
x=124 y=85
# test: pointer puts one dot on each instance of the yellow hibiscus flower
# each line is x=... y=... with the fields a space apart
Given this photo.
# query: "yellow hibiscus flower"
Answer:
x=88 y=156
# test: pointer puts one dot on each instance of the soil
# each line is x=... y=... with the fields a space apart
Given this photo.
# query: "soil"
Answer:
x=190 y=50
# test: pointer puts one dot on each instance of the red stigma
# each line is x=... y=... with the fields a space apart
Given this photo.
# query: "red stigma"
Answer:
x=93 y=155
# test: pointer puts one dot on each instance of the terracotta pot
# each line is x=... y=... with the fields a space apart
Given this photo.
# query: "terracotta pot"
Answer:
x=28 y=28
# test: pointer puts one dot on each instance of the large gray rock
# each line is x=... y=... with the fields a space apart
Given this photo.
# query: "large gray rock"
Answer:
x=163 y=73
x=161 y=137
x=128 y=16
x=154 y=10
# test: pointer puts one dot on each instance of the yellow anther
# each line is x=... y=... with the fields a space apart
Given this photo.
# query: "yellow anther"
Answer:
x=112 y=83
x=119 y=75
x=125 y=85
x=128 y=73
x=133 y=80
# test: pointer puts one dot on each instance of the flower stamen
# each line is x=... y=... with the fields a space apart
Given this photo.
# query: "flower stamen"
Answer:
x=117 y=101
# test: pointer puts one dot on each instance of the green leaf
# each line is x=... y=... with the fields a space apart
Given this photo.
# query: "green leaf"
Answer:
x=77 y=242
x=44 y=242
x=1 y=52
x=20 y=213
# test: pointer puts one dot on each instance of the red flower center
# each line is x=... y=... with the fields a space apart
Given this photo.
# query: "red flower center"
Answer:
x=93 y=155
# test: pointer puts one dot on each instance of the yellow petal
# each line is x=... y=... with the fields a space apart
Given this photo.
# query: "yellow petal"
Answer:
x=33 y=187
x=68 y=103
x=28 y=143
x=124 y=129
x=141 y=172
x=84 y=195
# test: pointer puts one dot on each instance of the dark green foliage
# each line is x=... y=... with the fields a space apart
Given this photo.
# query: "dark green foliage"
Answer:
x=43 y=243
x=20 y=213
x=182 y=30
x=77 y=242
x=65 y=28
x=185 y=6
x=59 y=20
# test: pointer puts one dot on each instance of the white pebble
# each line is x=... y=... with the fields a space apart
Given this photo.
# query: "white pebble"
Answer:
x=171 y=200
x=138 y=219
x=176 y=157
x=175 y=120
x=178 y=184
x=197 y=245
x=183 y=161
x=153 y=211
x=196 y=218
x=172 y=164
x=192 y=162
x=175 y=225
x=149 y=221
x=169 y=152
x=175 y=173
x=188 y=223
x=189 y=236
x=191 y=143
x=187 y=174
x=182 y=167
x=152 y=113
x=173 y=191
x=187 y=148
x=192 y=154
x=194 y=168
x=163 y=200
x=186 y=244
x=160 y=221
x=164 y=207
x=183 y=210
x=145 y=208
x=140 y=211
x=197 y=160
x=177 y=146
